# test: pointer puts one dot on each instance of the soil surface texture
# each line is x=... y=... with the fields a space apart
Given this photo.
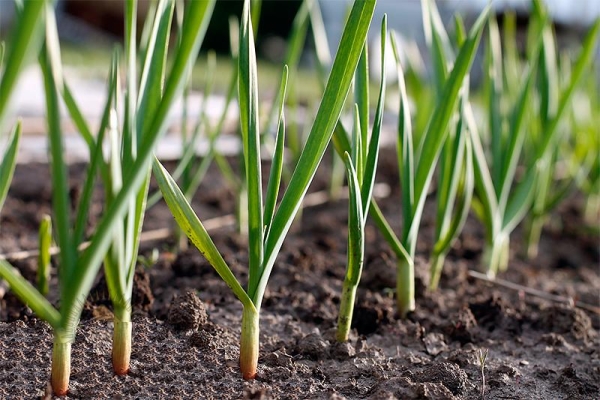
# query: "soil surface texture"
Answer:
x=187 y=321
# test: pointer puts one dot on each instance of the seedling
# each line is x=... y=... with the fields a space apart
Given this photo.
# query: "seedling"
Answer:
x=501 y=201
x=268 y=224
x=361 y=168
x=417 y=166
x=77 y=271
x=482 y=357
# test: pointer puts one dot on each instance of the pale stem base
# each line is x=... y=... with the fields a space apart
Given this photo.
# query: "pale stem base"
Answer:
x=496 y=255
x=533 y=236
x=249 y=343
x=405 y=287
x=437 y=265
x=121 y=351
x=346 y=311
x=61 y=366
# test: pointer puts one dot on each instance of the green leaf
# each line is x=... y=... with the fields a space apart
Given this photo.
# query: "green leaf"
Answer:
x=494 y=94
x=9 y=161
x=515 y=139
x=361 y=95
x=277 y=161
x=96 y=156
x=325 y=121
x=405 y=152
x=437 y=129
x=193 y=228
x=29 y=295
x=438 y=43
x=355 y=225
x=585 y=57
x=195 y=21
x=154 y=66
x=248 y=100
x=61 y=203
x=372 y=155
x=26 y=39
x=519 y=203
x=486 y=204
x=356 y=154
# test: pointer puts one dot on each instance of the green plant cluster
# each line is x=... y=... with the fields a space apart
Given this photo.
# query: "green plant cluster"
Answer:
x=510 y=151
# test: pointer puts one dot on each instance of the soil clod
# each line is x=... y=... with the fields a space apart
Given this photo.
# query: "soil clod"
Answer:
x=187 y=312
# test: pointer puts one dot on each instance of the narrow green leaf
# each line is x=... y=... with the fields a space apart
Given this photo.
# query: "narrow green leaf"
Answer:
x=405 y=152
x=29 y=295
x=193 y=228
x=9 y=161
x=373 y=150
x=460 y=32
x=486 y=194
x=438 y=43
x=495 y=90
x=61 y=203
x=154 y=66
x=361 y=95
x=437 y=129
x=515 y=140
x=326 y=119
x=519 y=203
x=450 y=175
x=196 y=20
x=277 y=161
x=26 y=39
x=357 y=145
x=355 y=225
x=248 y=99
x=96 y=156
x=585 y=57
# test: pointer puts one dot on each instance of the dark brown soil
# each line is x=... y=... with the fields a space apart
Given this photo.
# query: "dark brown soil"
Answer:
x=187 y=322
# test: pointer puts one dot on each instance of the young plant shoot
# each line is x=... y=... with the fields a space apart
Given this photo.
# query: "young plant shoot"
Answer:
x=77 y=271
x=454 y=192
x=267 y=224
x=501 y=202
x=44 y=265
x=455 y=177
x=361 y=167
x=417 y=165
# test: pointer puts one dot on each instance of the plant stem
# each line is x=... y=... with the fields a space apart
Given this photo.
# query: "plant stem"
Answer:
x=121 y=352
x=61 y=364
x=405 y=286
x=496 y=255
x=437 y=264
x=346 y=310
x=249 y=343
x=533 y=235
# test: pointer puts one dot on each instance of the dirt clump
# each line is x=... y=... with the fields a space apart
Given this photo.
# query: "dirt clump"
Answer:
x=187 y=312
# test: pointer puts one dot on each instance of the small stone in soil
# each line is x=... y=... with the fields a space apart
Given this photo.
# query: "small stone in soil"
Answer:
x=187 y=312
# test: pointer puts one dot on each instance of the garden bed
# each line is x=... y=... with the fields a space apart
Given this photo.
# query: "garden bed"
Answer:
x=187 y=322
